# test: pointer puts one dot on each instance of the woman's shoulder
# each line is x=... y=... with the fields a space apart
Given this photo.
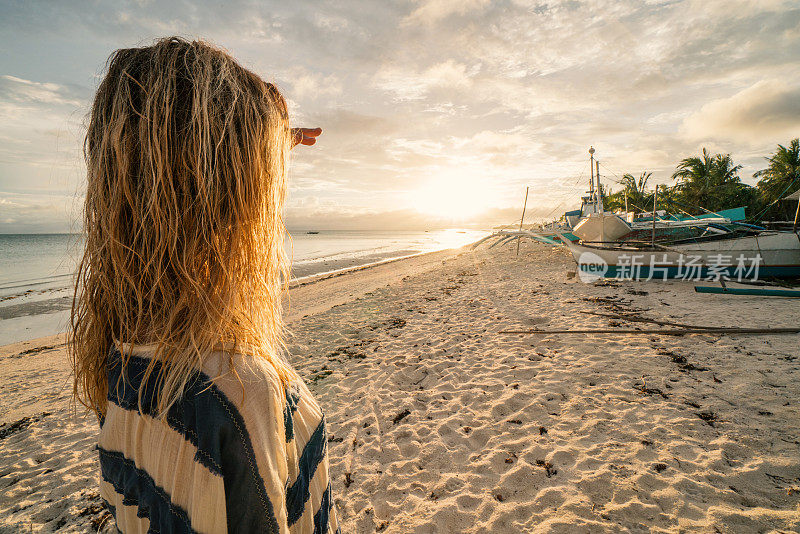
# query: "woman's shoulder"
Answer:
x=253 y=384
x=257 y=387
x=250 y=372
x=236 y=381
x=241 y=390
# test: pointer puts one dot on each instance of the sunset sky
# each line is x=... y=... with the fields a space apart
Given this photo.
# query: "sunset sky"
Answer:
x=435 y=112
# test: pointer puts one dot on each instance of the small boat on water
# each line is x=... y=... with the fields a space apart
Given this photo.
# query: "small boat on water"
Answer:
x=312 y=232
x=746 y=255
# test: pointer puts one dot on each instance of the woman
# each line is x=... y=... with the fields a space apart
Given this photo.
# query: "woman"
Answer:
x=176 y=323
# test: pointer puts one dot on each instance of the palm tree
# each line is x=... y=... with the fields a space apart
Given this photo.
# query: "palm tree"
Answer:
x=780 y=178
x=635 y=190
x=711 y=183
x=667 y=199
x=613 y=201
x=633 y=195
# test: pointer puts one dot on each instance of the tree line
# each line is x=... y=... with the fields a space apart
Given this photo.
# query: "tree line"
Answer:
x=712 y=183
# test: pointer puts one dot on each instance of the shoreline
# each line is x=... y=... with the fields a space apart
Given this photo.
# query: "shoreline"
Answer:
x=295 y=285
x=440 y=423
x=45 y=312
x=316 y=277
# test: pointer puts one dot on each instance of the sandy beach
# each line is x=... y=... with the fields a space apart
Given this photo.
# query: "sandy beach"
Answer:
x=439 y=423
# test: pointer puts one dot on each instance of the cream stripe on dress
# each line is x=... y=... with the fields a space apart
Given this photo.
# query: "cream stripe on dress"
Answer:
x=319 y=483
x=260 y=402
x=169 y=459
x=127 y=520
x=262 y=411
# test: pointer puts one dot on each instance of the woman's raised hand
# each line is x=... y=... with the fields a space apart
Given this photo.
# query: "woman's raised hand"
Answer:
x=305 y=136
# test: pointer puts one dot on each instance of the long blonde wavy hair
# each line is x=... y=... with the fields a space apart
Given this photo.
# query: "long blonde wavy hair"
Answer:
x=187 y=153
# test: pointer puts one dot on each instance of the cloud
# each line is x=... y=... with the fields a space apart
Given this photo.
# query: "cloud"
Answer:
x=493 y=142
x=408 y=84
x=431 y=11
x=417 y=147
x=348 y=122
x=412 y=92
x=767 y=110
x=24 y=213
x=20 y=90
x=306 y=85
x=332 y=218
x=41 y=134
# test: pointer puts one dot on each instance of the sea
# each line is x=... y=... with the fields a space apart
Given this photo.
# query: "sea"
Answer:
x=37 y=270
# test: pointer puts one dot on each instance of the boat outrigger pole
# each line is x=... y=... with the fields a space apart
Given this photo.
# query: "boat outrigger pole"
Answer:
x=522 y=219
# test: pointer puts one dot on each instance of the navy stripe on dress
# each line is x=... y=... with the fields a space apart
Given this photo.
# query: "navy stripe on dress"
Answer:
x=321 y=517
x=313 y=453
x=138 y=489
x=182 y=416
x=212 y=423
x=292 y=400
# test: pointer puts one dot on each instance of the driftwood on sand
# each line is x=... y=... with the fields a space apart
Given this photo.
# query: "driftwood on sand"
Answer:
x=661 y=331
x=639 y=319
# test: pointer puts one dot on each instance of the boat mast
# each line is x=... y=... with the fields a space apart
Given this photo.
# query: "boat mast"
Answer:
x=655 y=204
x=599 y=203
x=592 y=196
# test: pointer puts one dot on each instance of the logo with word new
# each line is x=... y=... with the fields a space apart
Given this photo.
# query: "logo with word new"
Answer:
x=591 y=267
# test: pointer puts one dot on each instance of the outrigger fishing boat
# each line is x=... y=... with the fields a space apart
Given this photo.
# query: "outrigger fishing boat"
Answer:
x=593 y=224
x=709 y=249
x=710 y=246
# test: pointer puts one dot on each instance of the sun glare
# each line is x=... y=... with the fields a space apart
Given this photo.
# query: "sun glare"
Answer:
x=450 y=197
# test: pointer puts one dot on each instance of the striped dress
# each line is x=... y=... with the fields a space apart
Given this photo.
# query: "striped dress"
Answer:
x=230 y=456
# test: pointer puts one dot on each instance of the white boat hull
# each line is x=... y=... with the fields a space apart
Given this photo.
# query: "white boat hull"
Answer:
x=601 y=227
x=750 y=257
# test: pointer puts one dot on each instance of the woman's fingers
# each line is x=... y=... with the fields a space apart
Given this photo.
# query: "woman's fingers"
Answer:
x=305 y=136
